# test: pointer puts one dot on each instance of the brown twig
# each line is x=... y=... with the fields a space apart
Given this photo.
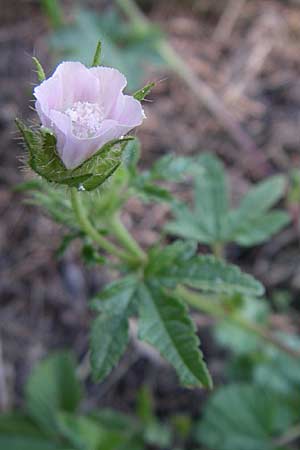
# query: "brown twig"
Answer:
x=201 y=90
x=228 y=20
x=3 y=388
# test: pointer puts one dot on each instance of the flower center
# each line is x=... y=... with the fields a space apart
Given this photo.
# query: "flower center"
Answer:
x=86 y=119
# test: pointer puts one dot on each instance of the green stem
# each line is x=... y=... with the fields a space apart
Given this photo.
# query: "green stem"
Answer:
x=206 y=305
x=126 y=239
x=218 y=250
x=91 y=231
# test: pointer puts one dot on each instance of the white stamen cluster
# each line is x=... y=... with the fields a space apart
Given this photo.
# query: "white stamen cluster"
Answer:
x=86 y=119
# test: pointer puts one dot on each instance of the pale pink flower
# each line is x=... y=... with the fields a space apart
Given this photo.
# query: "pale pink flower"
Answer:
x=85 y=108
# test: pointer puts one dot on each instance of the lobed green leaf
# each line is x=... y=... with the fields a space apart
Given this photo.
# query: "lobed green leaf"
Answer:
x=244 y=417
x=109 y=335
x=178 y=264
x=165 y=324
x=52 y=387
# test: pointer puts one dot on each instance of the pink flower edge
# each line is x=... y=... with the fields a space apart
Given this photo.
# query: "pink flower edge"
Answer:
x=85 y=108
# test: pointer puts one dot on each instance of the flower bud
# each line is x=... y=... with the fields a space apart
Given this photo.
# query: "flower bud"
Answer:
x=84 y=115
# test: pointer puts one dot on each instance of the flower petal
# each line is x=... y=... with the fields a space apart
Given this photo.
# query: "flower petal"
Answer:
x=111 y=84
x=77 y=150
x=71 y=82
x=131 y=113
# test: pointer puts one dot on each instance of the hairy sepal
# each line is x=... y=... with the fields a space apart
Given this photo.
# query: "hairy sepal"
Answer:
x=45 y=161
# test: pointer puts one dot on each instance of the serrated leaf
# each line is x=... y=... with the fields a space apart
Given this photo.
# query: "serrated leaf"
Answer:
x=131 y=155
x=54 y=201
x=109 y=335
x=203 y=272
x=161 y=259
x=21 y=442
x=244 y=417
x=278 y=370
x=81 y=432
x=187 y=226
x=211 y=197
x=127 y=428
x=238 y=340
x=18 y=432
x=254 y=205
x=261 y=228
x=206 y=222
x=52 y=386
x=165 y=324
x=171 y=167
x=150 y=192
x=211 y=274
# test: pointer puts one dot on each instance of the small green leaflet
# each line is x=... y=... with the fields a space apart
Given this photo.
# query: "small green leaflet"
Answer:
x=211 y=196
x=244 y=416
x=259 y=229
x=109 y=335
x=178 y=264
x=51 y=387
x=210 y=221
x=165 y=324
x=252 y=223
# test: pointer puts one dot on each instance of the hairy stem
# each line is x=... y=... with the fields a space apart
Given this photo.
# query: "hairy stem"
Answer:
x=121 y=232
x=205 y=305
x=91 y=231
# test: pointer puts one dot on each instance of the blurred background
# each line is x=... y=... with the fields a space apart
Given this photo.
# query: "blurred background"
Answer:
x=228 y=82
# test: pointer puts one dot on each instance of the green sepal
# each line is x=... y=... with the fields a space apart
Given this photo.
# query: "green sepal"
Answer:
x=45 y=161
x=142 y=93
x=97 y=56
x=39 y=70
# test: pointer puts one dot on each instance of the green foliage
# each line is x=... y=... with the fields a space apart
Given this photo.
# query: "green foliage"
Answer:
x=212 y=222
x=165 y=324
x=142 y=93
x=52 y=387
x=54 y=201
x=53 y=11
x=294 y=187
x=125 y=47
x=244 y=417
x=109 y=336
x=238 y=340
x=163 y=319
x=51 y=422
x=44 y=160
x=39 y=69
x=97 y=56
x=280 y=371
x=168 y=168
x=178 y=264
